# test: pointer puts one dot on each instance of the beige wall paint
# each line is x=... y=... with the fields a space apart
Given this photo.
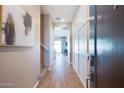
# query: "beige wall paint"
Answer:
x=47 y=40
x=42 y=49
x=20 y=67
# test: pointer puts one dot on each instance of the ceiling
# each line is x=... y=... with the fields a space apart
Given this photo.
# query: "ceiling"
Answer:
x=65 y=12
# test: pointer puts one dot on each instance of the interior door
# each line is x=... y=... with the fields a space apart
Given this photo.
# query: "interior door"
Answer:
x=107 y=45
x=110 y=46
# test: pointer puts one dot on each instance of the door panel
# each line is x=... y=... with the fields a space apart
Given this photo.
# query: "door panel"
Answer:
x=110 y=46
x=76 y=51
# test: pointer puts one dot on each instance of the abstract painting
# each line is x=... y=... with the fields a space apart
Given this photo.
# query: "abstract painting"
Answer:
x=9 y=30
x=17 y=26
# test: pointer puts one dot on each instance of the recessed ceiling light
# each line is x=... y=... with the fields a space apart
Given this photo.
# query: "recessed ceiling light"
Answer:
x=62 y=20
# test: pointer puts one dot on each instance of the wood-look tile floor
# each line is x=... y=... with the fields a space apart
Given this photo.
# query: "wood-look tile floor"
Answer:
x=62 y=75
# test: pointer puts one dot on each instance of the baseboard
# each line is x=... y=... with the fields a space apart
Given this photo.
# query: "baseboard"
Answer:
x=50 y=67
x=79 y=76
x=82 y=81
x=70 y=63
x=75 y=69
x=36 y=84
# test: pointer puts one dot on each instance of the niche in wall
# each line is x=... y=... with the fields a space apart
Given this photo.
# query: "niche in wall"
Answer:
x=17 y=27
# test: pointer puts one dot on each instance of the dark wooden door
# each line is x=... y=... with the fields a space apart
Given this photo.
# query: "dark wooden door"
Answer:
x=110 y=46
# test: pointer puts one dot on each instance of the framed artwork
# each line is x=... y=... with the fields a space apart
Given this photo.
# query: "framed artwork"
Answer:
x=17 y=26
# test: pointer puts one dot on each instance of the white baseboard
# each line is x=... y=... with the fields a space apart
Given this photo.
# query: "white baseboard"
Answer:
x=75 y=69
x=82 y=81
x=79 y=76
x=50 y=67
x=36 y=84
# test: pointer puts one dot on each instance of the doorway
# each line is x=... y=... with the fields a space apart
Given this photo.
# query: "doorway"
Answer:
x=61 y=39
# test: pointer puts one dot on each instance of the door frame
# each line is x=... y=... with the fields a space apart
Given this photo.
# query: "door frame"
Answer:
x=95 y=44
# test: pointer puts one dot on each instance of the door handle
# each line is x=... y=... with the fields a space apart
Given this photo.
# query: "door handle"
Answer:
x=91 y=70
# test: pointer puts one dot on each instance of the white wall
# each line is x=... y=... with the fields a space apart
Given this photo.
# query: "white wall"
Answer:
x=79 y=42
x=20 y=66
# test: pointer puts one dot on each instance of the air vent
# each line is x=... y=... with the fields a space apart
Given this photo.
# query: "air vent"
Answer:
x=59 y=19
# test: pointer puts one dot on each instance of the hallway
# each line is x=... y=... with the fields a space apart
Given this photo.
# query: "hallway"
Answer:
x=62 y=75
x=91 y=36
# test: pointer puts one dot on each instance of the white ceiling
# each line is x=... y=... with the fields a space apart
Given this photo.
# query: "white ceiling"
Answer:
x=66 y=12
